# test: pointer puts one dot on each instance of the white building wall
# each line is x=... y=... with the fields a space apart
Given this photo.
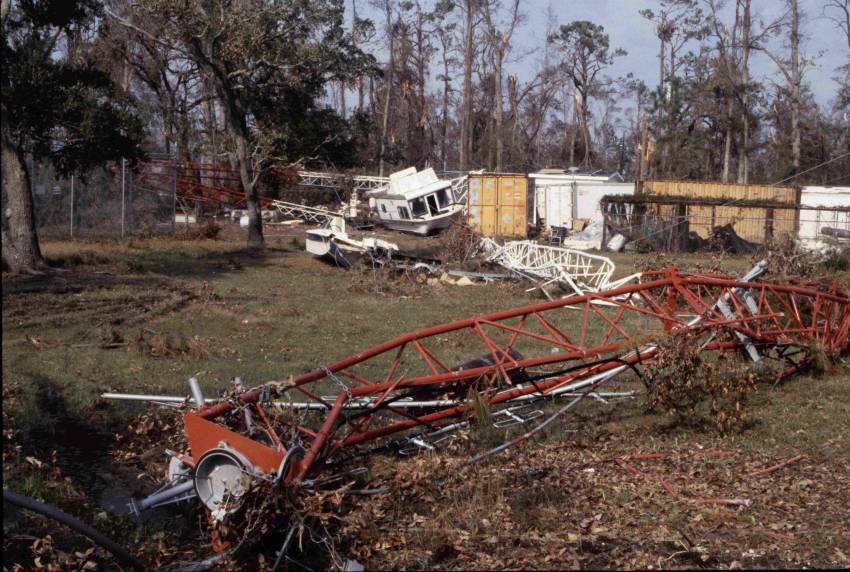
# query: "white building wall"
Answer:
x=558 y=199
x=812 y=222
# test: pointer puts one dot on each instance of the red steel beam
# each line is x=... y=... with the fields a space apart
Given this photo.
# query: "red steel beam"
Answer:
x=818 y=313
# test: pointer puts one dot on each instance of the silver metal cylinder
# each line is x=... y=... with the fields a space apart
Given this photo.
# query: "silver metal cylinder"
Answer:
x=166 y=495
x=197 y=394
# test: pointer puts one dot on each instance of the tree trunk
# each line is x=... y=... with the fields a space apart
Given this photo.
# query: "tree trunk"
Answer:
x=389 y=79
x=361 y=88
x=209 y=115
x=466 y=111
x=445 y=136
x=644 y=144
x=20 y=241
x=514 y=107
x=729 y=60
x=541 y=118
x=239 y=133
x=727 y=146
x=744 y=148
x=573 y=129
x=498 y=115
x=585 y=130
x=425 y=146
x=795 y=85
x=662 y=107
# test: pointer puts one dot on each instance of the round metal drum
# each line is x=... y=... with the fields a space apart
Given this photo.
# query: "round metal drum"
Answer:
x=221 y=481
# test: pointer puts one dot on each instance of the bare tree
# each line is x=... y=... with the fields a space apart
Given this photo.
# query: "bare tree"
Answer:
x=470 y=11
x=792 y=69
x=743 y=148
x=388 y=82
x=727 y=48
x=587 y=50
x=500 y=43
x=839 y=12
x=677 y=23
x=445 y=33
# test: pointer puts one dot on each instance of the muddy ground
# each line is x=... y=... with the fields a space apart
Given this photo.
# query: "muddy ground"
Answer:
x=142 y=316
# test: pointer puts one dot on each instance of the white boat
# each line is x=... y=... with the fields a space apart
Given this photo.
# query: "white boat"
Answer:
x=334 y=243
x=417 y=202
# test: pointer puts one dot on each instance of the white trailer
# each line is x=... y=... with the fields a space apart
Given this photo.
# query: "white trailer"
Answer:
x=561 y=196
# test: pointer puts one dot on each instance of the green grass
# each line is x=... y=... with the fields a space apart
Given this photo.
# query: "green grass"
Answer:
x=265 y=317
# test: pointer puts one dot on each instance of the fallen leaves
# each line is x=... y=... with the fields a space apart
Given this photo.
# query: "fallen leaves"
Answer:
x=587 y=510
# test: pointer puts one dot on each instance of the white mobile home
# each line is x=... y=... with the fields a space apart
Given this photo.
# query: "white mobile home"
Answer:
x=561 y=195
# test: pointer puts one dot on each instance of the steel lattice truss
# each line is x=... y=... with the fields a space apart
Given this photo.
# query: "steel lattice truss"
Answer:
x=413 y=382
x=220 y=185
x=337 y=180
x=581 y=271
x=460 y=189
x=220 y=188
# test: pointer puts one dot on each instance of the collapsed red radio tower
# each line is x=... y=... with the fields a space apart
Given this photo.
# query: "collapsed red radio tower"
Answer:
x=408 y=384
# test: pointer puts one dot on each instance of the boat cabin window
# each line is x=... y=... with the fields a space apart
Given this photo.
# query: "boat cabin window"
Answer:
x=432 y=204
x=418 y=207
x=443 y=198
x=402 y=212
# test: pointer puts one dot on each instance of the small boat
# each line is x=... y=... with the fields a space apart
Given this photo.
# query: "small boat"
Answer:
x=416 y=202
x=334 y=243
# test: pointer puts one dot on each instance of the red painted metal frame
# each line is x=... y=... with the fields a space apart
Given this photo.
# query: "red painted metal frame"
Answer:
x=788 y=321
x=226 y=187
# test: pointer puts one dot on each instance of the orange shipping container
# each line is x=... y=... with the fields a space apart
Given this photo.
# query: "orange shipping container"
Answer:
x=498 y=205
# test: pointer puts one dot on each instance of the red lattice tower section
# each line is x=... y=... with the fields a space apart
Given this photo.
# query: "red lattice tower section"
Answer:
x=579 y=342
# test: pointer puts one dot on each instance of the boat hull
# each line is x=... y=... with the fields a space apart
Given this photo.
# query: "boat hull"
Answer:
x=321 y=243
x=423 y=227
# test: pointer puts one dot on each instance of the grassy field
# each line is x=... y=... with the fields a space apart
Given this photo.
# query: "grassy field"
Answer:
x=142 y=316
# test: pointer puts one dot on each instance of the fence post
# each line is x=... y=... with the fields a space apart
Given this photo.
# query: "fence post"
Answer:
x=72 y=206
x=130 y=211
x=173 y=198
x=123 y=190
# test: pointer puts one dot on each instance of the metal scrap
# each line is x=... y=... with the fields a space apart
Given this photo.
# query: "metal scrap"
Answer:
x=403 y=395
x=580 y=271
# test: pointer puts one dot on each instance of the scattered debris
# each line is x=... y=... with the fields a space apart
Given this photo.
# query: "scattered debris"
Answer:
x=683 y=383
x=287 y=436
x=579 y=271
x=778 y=466
x=459 y=243
x=333 y=242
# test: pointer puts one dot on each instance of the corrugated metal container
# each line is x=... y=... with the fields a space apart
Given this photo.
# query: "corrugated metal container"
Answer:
x=498 y=204
x=755 y=224
x=713 y=190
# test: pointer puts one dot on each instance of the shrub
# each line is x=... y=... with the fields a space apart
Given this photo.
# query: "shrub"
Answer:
x=696 y=386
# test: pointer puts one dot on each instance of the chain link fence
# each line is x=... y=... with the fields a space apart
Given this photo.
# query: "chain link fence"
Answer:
x=106 y=202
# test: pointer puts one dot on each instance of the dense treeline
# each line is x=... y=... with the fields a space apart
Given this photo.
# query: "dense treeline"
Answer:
x=375 y=85
x=707 y=117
